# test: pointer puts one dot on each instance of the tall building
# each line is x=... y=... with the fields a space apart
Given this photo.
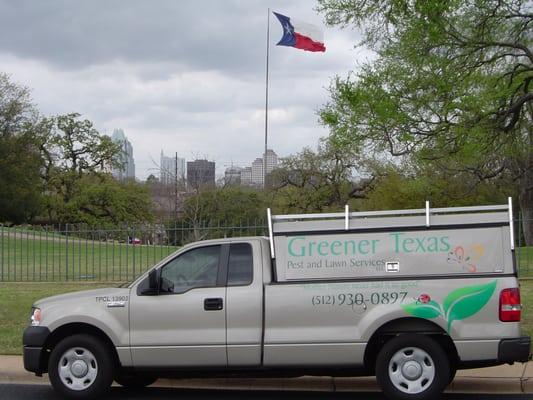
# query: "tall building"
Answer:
x=127 y=169
x=200 y=173
x=257 y=172
x=246 y=176
x=169 y=167
x=232 y=176
x=256 y=178
x=272 y=160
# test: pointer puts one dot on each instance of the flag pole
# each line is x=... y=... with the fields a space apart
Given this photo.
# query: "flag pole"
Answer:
x=266 y=102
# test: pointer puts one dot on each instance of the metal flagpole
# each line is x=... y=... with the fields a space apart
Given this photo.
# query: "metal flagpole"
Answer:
x=266 y=102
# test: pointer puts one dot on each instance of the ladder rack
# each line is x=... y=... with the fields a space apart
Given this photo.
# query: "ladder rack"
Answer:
x=360 y=220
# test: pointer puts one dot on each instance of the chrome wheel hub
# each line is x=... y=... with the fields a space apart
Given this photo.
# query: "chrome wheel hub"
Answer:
x=412 y=370
x=77 y=368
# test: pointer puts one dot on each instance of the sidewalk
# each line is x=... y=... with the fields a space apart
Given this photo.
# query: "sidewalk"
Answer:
x=517 y=378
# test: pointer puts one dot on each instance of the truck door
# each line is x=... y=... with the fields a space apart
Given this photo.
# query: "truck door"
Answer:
x=244 y=311
x=185 y=326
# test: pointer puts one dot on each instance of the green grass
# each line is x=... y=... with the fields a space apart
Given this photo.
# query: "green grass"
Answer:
x=524 y=261
x=526 y=294
x=34 y=256
x=16 y=300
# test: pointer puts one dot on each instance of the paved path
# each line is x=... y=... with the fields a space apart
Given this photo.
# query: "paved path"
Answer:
x=42 y=392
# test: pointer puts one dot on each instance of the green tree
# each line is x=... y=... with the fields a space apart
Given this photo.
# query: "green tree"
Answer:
x=20 y=163
x=98 y=199
x=20 y=183
x=450 y=85
x=16 y=108
x=322 y=180
x=226 y=206
x=72 y=148
x=408 y=186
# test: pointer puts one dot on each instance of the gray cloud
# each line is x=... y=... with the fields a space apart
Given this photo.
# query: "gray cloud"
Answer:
x=181 y=76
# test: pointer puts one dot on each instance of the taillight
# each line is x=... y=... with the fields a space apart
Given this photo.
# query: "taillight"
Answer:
x=510 y=306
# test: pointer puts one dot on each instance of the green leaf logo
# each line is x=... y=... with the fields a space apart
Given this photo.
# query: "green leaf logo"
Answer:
x=467 y=301
x=459 y=304
x=423 y=310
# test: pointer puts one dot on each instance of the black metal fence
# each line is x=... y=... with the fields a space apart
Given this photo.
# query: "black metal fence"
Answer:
x=82 y=253
x=108 y=254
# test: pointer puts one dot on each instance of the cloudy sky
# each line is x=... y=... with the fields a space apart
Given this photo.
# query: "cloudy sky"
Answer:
x=178 y=76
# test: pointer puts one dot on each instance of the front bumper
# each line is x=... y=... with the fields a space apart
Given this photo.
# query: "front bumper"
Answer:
x=33 y=340
x=514 y=350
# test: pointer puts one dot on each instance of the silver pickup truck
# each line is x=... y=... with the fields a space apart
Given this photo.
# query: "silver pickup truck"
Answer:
x=409 y=296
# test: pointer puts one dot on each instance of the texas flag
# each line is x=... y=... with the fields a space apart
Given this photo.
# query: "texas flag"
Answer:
x=300 y=35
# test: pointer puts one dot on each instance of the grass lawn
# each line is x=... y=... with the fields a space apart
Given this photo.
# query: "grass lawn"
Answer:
x=16 y=300
x=524 y=261
x=34 y=256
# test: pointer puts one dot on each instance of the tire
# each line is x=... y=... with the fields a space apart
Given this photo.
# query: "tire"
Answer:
x=453 y=371
x=134 y=381
x=86 y=365
x=412 y=366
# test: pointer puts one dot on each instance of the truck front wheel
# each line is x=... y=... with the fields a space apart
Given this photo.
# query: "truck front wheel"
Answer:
x=81 y=367
x=412 y=366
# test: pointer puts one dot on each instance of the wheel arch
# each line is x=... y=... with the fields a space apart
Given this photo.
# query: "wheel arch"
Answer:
x=71 y=329
x=405 y=325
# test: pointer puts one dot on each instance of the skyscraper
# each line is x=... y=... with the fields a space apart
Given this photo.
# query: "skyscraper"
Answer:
x=200 y=173
x=246 y=176
x=127 y=168
x=232 y=176
x=272 y=160
x=257 y=172
x=169 y=167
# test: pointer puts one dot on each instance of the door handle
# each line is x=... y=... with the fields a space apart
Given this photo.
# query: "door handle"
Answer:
x=213 y=304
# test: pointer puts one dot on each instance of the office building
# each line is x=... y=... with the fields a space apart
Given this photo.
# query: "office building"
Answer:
x=272 y=160
x=127 y=168
x=257 y=172
x=200 y=173
x=232 y=176
x=246 y=176
x=170 y=168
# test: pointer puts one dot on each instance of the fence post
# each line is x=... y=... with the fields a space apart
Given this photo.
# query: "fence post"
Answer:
x=2 y=247
x=66 y=252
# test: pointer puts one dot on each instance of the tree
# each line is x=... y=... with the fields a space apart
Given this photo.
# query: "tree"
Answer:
x=320 y=181
x=16 y=107
x=20 y=194
x=72 y=149
x=227 y=206
x=101 y=200
x=451 y=85
x=408 y=186
x=20 y=163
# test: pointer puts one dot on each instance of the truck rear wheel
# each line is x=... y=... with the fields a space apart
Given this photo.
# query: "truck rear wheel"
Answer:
x=412 y=366
x=80 y=367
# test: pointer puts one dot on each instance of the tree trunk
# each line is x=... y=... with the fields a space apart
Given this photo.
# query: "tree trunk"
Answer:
x=526 y=208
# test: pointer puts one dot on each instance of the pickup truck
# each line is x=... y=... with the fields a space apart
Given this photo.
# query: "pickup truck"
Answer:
x=409 y=296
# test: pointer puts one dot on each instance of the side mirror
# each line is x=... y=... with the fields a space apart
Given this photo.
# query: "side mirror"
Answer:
x=153 y=281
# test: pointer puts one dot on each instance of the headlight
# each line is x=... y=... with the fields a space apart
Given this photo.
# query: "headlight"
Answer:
x=35 y=316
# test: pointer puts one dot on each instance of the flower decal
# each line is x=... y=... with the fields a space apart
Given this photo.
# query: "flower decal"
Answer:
x=466 y=259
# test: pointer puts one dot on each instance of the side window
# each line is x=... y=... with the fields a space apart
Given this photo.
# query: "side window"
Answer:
x=195 y=268
x=240 y=265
